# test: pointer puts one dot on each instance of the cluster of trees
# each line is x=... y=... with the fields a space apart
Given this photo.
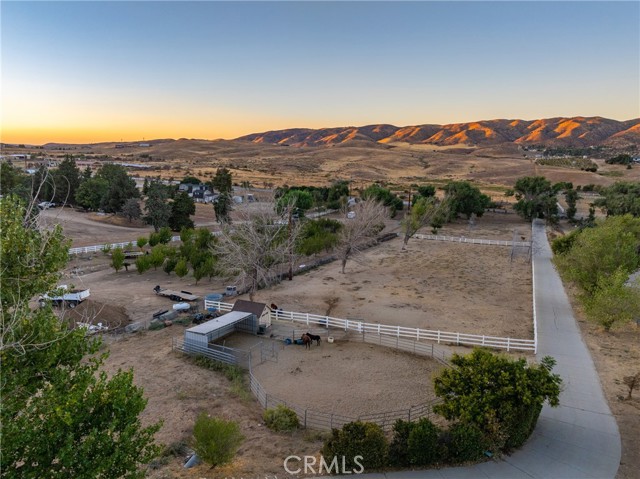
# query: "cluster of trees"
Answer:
x=599 y=261
x=331 y=197
x=620 y=198
x=62 y=416
x=492 y=402
x=622 y=159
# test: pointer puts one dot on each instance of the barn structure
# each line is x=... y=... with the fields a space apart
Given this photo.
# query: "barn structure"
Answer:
x=245 y=317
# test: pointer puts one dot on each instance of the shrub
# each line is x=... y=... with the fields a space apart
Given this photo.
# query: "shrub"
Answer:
x=358 y=439
x=164 y=235
x=215 y=440
x=399 y=447
x=464 y=442
x=142 y=264
x=563 y=244
x=507 y=409
x=423 y=444
x=154 y=239
x=281 y=418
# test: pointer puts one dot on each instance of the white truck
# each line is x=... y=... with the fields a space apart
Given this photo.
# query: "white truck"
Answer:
x=64 y=296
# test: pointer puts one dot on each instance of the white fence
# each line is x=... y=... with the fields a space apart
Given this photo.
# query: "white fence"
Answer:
x=462 y=239
x=101 y=247
x=418 y=334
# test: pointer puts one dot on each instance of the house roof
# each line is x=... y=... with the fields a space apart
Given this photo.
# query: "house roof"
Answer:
x=249 y=307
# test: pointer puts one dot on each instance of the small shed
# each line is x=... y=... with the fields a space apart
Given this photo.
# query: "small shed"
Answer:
x=260 y=310
x=200 y=336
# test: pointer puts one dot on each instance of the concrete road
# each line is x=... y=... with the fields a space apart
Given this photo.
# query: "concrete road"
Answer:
x=580 y=438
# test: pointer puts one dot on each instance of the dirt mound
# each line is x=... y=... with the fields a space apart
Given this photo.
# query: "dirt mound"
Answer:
x=95 y=312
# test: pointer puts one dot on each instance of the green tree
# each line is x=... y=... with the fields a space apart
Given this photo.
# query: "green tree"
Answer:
x=536 y=198
x=358 y=439
x=384 y=196
x=131 y=209
x=117 y=259
x=572 y=197
x=423 y=212
x=619 y=199
x=157 y=208
x=121 y=187
x=613 y=301
x=222 y=181
x=190 y=180
x=222 y=208
x=215 y=440
x=300 y=200
x=91 y=192
x=181 y=268
x=61 y=415
x=142 y=242
x=67 y=181
x=465 y=199
x=318 y=235
x=13 y=181
x=427 y=191
x=598 y=252
x=492 y=390
x=181 y=210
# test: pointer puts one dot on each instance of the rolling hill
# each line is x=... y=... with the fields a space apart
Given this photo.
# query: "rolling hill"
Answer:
x=576 y=131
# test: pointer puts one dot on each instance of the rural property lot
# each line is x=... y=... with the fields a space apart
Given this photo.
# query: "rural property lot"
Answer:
x=462 y=284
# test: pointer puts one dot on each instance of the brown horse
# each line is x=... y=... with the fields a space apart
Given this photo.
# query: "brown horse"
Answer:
x=306 y=340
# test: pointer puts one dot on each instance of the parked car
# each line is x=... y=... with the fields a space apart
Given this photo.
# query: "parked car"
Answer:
x=46 y=204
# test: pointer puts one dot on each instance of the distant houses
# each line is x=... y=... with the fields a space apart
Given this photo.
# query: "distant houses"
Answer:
x=199 y=192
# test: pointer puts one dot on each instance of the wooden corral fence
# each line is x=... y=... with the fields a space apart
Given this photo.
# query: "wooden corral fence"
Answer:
x=418 y=334
x=462 y=239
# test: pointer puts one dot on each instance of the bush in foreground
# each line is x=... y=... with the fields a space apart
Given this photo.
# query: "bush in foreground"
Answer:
x=215 y=440
x=281 y=418
x=358 y=439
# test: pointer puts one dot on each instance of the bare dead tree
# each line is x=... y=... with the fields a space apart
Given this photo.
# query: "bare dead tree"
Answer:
x=361 y=225
x=257 y=245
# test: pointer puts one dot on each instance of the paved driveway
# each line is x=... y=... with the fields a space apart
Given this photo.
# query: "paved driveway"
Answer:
x=578 y=439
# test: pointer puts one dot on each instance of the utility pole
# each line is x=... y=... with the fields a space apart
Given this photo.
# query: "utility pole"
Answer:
x=290 y=245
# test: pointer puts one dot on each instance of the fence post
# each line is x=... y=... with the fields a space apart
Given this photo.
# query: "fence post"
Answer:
x=438 y=336
x=307 y=319
x=305 y=418
x=431 y=349
x=508 y=343
x=458 y=339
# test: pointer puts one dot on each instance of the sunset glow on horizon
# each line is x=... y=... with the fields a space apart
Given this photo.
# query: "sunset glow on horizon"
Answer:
x=85 y=72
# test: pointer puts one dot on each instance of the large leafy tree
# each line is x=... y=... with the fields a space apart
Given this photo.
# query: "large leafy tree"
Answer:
x=426 y=210
x=222 y=181
x=157 y=207
x=181 y=210
x=61 y=416
x=121 y=187
x=598 y=252
x=536 y=197
x=91 y=191
x=384 y=196
x=620 y=199
x=501 y=395
x=67 y=181
x=222 y=208
x=465 y=199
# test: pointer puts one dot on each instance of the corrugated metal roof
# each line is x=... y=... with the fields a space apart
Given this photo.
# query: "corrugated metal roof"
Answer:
x=222 y=321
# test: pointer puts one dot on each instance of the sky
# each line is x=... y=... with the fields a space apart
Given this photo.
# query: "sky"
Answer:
x=126 y=71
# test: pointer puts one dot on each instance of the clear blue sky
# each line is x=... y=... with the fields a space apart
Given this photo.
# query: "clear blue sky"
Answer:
x=80 y=71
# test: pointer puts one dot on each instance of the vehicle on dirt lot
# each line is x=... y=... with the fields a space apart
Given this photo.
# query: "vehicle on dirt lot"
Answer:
x=63 y=296
x=175 y=295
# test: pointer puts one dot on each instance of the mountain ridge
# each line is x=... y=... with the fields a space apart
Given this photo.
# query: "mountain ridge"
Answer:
x=578 y=131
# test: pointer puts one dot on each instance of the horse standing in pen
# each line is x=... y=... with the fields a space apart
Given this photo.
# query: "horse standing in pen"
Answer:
x=306 y=340
x=314 y=337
